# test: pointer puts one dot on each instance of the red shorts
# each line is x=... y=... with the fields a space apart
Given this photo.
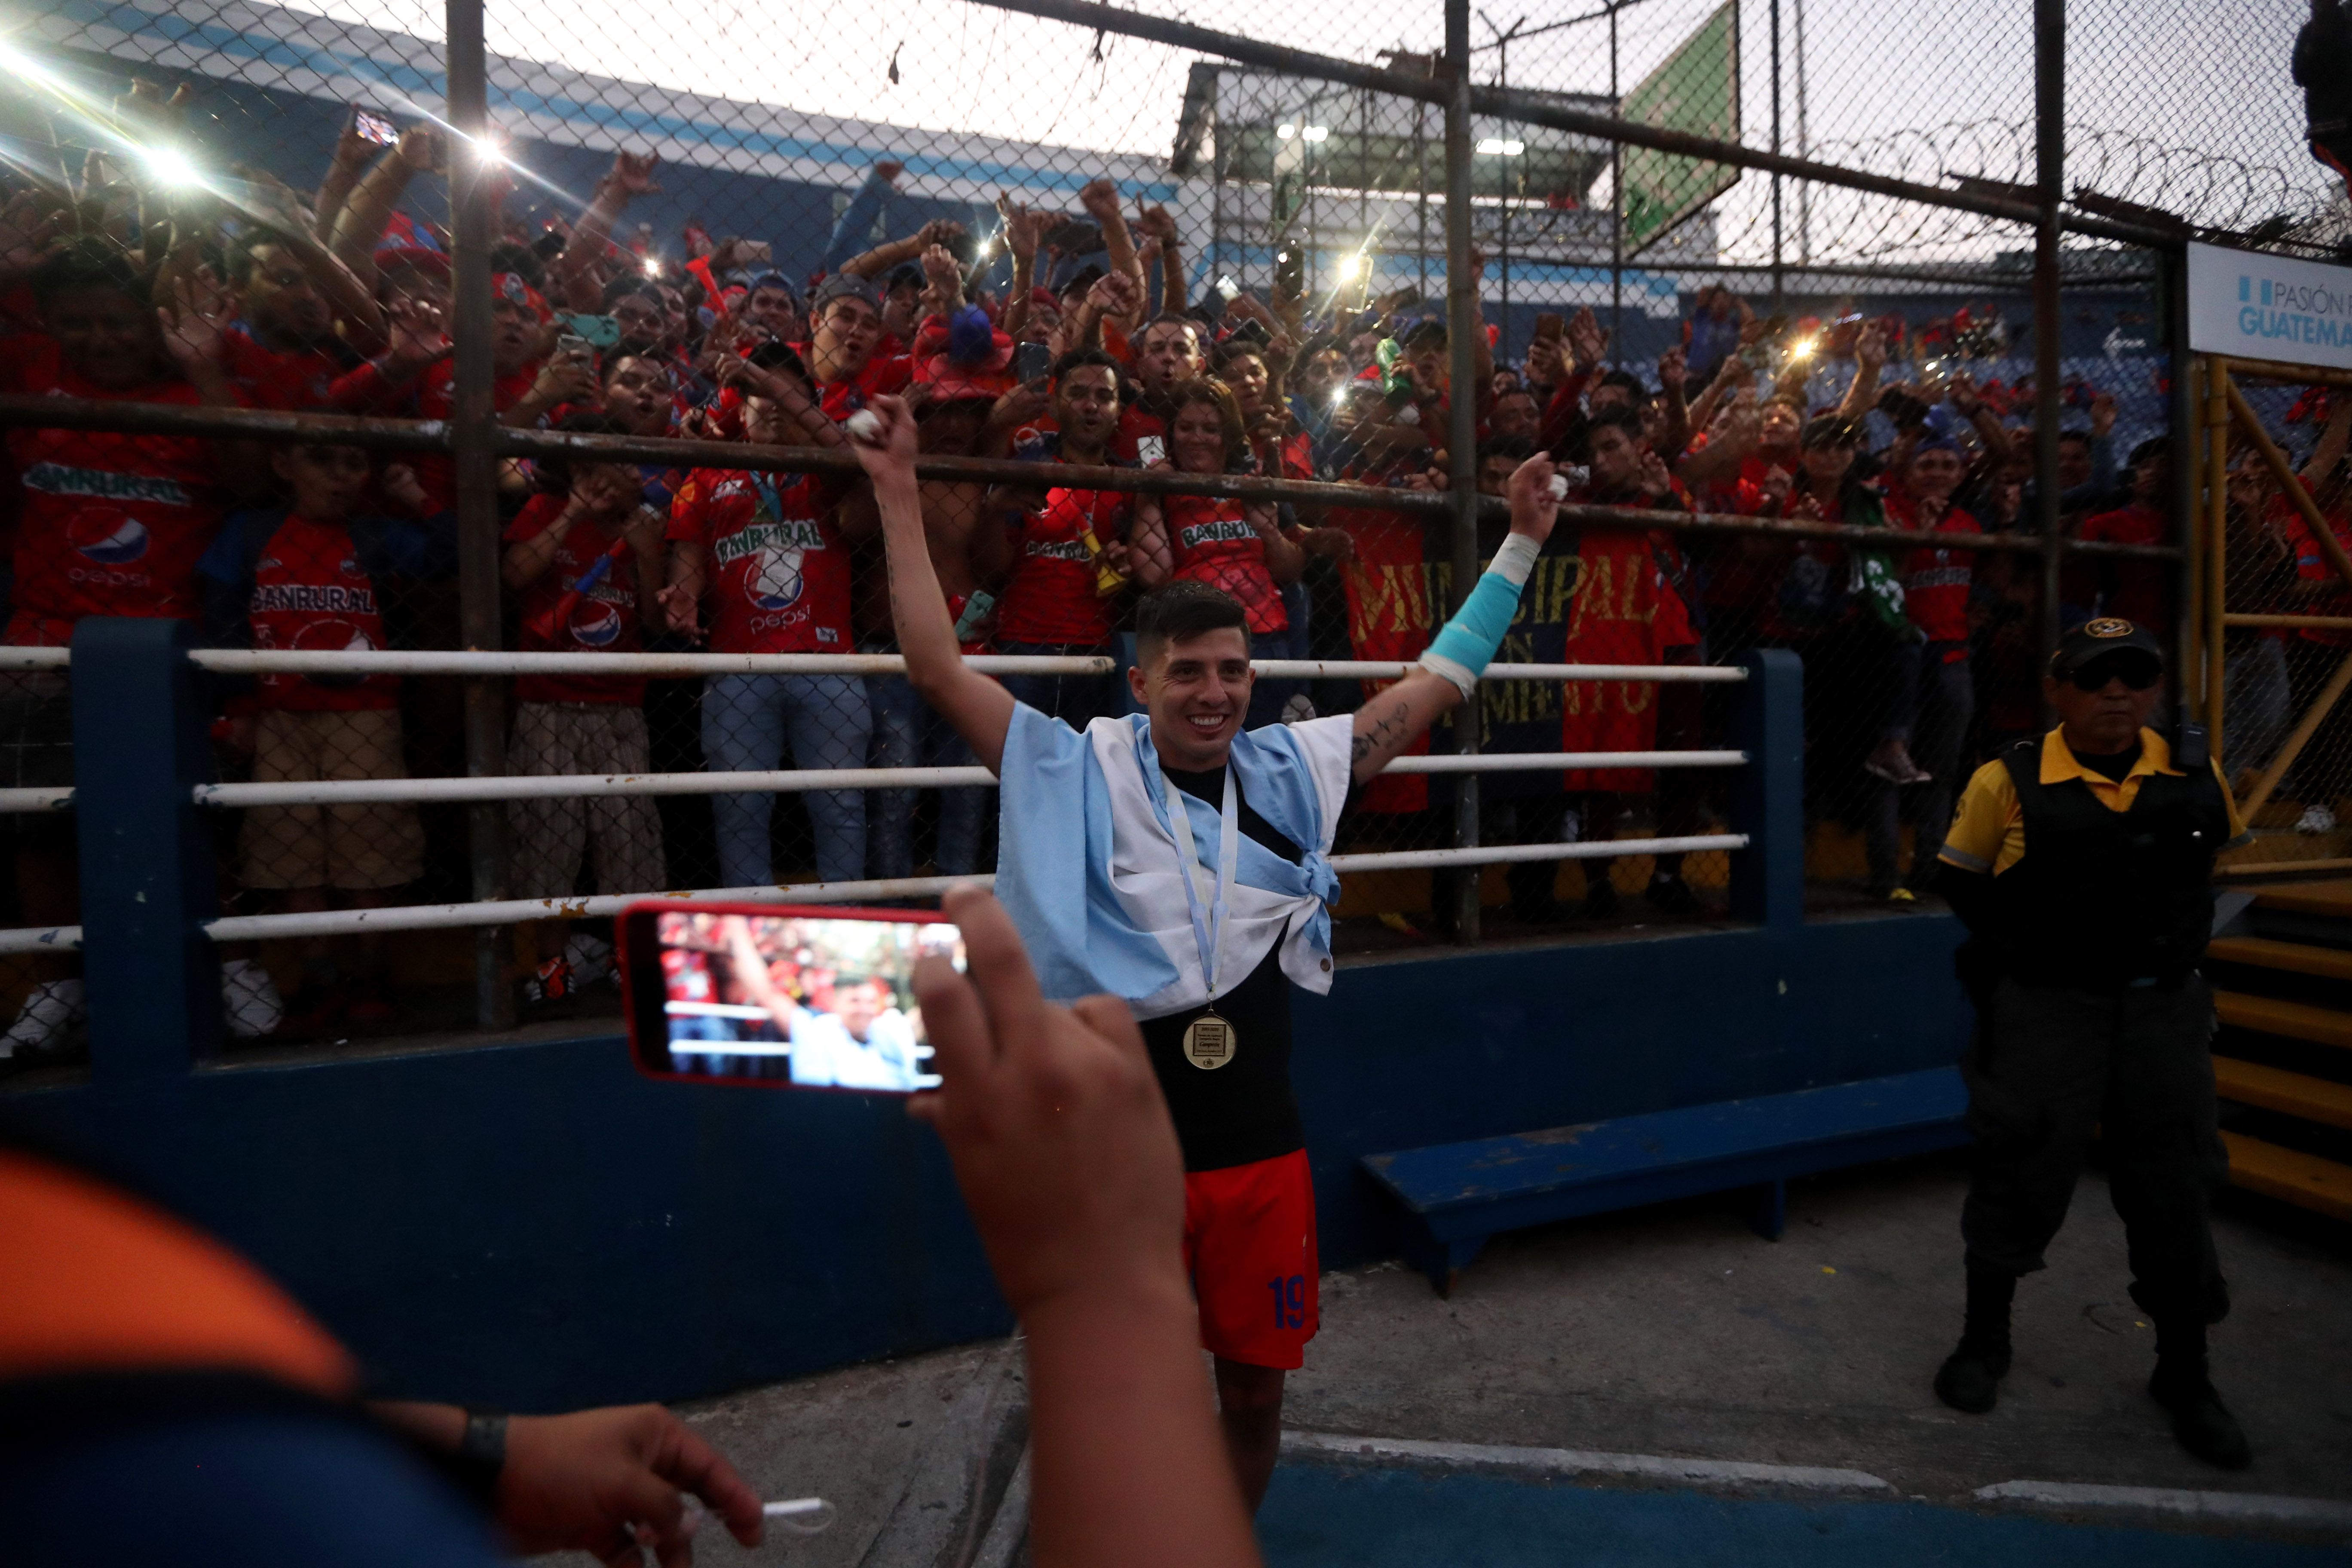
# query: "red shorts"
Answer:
x=1249 y=1246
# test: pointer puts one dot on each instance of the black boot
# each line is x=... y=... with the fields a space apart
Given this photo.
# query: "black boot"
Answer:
x=1970 y=1379
x=2182 y=1384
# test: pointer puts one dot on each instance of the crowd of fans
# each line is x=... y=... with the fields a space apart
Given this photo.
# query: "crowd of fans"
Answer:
x=1919 y=659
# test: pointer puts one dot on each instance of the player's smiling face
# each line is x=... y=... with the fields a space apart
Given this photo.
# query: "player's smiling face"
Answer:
x=1196 y=691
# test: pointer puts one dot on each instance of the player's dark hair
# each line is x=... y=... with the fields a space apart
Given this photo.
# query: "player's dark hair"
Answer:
x=1180 y=611
x=1517 y=448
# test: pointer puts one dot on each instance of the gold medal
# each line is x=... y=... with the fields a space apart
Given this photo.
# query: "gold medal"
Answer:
x=1209 y=1042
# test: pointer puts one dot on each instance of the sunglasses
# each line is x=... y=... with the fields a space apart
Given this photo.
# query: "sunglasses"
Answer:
x=2136 y=673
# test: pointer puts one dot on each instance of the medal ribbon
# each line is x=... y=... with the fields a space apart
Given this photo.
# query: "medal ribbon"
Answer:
x=1206 y=932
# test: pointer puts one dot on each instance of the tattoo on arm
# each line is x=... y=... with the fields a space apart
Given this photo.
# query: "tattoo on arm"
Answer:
x=1389 y=729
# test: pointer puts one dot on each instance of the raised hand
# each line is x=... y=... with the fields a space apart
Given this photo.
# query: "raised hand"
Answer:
x=2102 y=413
x=419 y=147
x=1870 y=346
x=1655 y=482
x=1024 y=229
x=195 y=322
x=633 y=174
x=564 y=379
x=1017 y=407
x=940 y=270
x=1586 y=339
x=1099 y=196
x=1154 y=220
x=1673 y=371
x=1533 y=509
x=1114 y=294
x=887 y=450
x=352 y=149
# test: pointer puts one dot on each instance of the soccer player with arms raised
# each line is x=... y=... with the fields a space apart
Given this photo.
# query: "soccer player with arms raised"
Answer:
x=1179 y=862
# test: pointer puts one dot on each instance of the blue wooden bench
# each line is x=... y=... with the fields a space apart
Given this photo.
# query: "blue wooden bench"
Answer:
x=1456 y=1195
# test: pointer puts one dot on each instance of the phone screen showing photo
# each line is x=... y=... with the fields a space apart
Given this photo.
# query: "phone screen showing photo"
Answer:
x=788 y=999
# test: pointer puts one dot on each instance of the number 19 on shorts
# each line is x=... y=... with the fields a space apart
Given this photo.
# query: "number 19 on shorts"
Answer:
x=1289 y=1301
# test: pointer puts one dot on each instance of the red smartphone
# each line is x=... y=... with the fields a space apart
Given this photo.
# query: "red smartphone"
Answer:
x=780 y=995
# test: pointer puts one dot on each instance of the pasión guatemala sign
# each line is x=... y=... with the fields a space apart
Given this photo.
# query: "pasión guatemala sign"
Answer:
x=2249 y=305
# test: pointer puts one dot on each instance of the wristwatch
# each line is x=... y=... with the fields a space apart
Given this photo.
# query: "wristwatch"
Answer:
x=485 y=1439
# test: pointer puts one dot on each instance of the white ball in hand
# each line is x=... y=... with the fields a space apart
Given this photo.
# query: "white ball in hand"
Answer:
x=1559 y=487
x=866 y=425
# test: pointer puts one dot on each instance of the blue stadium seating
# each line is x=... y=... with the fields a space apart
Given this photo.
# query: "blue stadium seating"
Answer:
x=1456 y=1195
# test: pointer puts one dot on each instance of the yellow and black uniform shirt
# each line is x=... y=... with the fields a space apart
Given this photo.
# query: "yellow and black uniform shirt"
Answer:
x=1989 y=829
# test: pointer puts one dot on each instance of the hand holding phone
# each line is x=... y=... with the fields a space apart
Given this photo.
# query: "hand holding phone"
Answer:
x=1061 y=1144
x=370 y=126
x=1033 y=362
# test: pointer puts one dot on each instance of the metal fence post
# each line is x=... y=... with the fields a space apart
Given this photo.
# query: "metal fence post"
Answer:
x=1463 y=317
x=147 y=884
x=2186 y=632
x=2048 y=172
x=476 y=463
x=1768 y=803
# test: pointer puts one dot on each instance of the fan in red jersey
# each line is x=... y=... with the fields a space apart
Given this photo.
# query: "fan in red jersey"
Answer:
x=1070 y=555
x=107 y=524
x=1233 y=545
x=761 y=559
x=1934 y=690
x=312 y=577
x=587 y=560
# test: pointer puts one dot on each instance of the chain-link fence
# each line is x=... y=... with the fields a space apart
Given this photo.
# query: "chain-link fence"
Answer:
x=1762 y=275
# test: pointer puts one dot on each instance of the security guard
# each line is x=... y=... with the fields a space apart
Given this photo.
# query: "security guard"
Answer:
x=2081 y=864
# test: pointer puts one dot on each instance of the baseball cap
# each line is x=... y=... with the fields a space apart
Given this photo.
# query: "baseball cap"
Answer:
x=907 y=273
x=966 y=358
x=772 y=280
x=1425 y=330
x=846 y=285
x=2102 y=637
x=510 y=286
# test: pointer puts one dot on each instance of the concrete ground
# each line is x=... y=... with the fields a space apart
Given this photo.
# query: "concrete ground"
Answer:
x=1671 y=1331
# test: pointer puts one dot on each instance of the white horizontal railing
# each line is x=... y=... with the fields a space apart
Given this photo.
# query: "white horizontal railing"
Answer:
x=787 y=781
x=511 y=912
x=1503 y=854
x=387 y=661
x=518 y=911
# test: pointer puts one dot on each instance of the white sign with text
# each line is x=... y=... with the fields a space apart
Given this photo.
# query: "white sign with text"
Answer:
x=2249 y=305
